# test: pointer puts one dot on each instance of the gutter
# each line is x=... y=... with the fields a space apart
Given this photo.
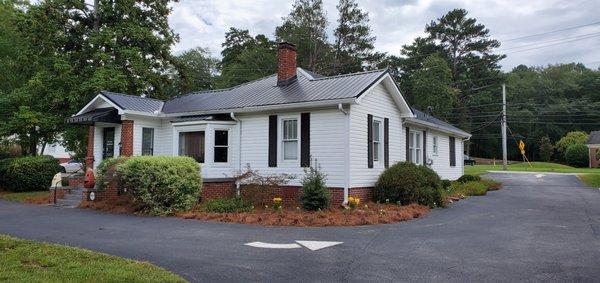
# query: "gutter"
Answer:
x=347 y=150
x=439 y=128
x=239 y=165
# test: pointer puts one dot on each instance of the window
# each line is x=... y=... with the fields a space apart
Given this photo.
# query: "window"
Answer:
x=376 y=140
x=147 y=141
x=192 y=144
x=452 y=151
x=414 y=146
x=221 y=145
x=435 y=145
x=289 y=138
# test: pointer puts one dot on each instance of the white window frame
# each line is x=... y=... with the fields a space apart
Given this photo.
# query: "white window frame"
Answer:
x=377 y=144
x=435 y=145
x=416 y=153
x=282 y=141
x=221 y=146
x=152 y=139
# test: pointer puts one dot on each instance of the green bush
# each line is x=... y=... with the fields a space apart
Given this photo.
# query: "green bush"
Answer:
x=469 y=178
x=475 y=188
x=25 y=174
x=492 y=185
x=408 y=183
x=446 y=183
x=227 y=205
x=571 y=138
x=103 y=168
x=315 y=194
x=162 y=185
x=577 y=155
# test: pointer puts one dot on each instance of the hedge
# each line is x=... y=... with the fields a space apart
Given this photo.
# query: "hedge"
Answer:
x=162 y=185
x=407 y=183
x=25 y=174
x=577 y=155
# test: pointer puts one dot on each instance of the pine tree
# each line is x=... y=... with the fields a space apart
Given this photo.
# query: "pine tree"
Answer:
x=353 y=40
x=546 y=149
x=432 y=86
x=305 y=27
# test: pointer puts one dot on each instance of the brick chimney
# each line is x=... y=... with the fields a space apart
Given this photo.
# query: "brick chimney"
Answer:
x=286 y=63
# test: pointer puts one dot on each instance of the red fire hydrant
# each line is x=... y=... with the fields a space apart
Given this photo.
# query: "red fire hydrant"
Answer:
x=89 y=180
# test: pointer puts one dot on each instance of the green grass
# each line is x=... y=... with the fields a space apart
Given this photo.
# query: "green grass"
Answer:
x=592 y=180
x=536 y=167
x=21 y=197
x=29 y=261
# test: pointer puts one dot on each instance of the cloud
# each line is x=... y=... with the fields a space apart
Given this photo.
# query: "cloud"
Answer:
x=398 y=22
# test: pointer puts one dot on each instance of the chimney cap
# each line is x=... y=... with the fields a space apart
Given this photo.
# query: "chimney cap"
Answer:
x=286 y=45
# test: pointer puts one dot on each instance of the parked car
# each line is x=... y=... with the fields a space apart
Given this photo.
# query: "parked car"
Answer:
x=469 y=160
x=72 y=166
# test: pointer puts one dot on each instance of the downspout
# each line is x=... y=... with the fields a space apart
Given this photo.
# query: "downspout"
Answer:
x=239 y=165
x=347 y=150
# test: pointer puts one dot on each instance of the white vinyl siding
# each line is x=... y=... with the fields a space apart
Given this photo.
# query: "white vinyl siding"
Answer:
x=441 y=160
x=379 y=103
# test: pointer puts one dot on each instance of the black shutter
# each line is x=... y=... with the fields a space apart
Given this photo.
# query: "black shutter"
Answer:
x=424 y=147
x=305 y=139
x=370 y=140
x=452 y=152
x=273 y=141
x=386 y=142
x=407 y=144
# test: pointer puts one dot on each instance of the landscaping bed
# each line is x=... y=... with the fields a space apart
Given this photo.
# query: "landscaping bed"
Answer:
x=29 y=261
x=40 y=197
x=371 y=213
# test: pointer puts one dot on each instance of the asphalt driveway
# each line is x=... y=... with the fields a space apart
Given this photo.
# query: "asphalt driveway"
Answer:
x=535 y=228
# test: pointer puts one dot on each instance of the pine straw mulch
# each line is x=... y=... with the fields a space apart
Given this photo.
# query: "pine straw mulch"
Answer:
x=370 y=214
x=120 y=205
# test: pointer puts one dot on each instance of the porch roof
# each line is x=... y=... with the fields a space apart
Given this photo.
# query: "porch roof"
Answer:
x=107 y=115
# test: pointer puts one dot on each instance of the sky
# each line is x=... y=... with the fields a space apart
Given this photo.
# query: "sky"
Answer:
x=397 y=22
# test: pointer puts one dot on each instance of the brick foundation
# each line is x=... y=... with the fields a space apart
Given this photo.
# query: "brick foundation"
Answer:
x=594 y=162
x=89 y=159
x=76 y=181
x=214 y=190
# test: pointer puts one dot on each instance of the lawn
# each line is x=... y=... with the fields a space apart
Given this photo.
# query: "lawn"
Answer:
x=24 y=197
x=590 y=176
x=29 y=261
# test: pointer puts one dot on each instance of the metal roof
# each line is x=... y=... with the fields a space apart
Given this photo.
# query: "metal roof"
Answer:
x=265 y=92
x=422 y=116
x=108 y=115
x=594 y=137
x=134 y=103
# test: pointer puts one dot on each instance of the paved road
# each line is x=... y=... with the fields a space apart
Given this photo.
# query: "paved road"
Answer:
x=535 y=229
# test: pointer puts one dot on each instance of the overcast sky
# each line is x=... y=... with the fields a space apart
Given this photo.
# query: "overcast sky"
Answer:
x=395 y=22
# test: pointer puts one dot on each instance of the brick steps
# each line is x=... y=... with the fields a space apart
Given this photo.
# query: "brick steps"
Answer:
x=71 y=199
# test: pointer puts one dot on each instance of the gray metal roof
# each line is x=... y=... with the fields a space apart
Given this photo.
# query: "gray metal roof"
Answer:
x=264 y=92
x=422 y=116
x=134 y=103
x=594 y=137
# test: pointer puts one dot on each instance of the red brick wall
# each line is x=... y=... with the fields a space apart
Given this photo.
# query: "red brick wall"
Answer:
x=89 y=159
x=364 y=194
x=286 y=61
x=127 y=138
x=594 y=162
x=214 y=190
x=75 y=182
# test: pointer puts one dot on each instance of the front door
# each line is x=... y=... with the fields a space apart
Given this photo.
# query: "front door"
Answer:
x=108 y=143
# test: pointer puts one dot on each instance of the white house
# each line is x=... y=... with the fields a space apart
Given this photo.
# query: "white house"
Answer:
x=355 y=125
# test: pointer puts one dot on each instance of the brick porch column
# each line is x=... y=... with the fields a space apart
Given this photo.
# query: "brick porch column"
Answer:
x=127 y=138
x=594 y=162
x=89 y=158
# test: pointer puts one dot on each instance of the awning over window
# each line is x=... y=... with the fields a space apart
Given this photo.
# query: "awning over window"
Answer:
x=106 y=115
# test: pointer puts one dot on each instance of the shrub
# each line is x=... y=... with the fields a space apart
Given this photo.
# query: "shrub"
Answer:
x=227 y=205
x=446 y=183
x=571 y=138
x=105 y=167
x=491 y=185
x=315 y=194
x=353 y=202
x=407 y=183
x=475 y=188
x=277 y=203
x=468 y=178
x=161 y=184
x=546 y=149
x=259 y=188
x=577 y=155
x=25 y=174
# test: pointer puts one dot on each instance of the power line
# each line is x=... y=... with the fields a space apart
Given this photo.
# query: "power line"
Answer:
x=582 y=36
x=550 y=32
x=549 y=45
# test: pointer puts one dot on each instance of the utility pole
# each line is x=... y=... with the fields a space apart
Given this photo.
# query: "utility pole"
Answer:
x=504 y=157
x=96 y=17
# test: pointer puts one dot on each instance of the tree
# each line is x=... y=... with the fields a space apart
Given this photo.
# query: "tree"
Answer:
x=245 y=58
x=431 y=87
x=546 y=149
x=353 y=40
x=571 y=138
x=305 y=27
x=195 y=70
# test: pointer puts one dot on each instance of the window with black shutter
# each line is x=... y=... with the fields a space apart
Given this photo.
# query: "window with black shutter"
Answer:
x=452 y=151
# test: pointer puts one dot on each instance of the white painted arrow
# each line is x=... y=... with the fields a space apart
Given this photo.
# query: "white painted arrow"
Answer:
x=272 y=246
x=539 y=175
x=317 y=245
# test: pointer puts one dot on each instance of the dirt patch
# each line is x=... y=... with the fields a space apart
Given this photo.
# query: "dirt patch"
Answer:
x=121 y=205
x=45 y=199
x=372 y=213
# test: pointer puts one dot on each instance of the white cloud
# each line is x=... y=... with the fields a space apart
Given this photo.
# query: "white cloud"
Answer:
x=395 y=23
